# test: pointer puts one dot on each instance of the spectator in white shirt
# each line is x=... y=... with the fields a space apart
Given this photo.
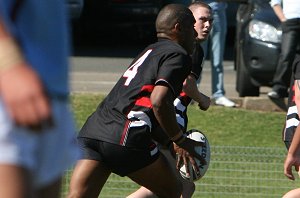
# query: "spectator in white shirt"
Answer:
x=288 y=12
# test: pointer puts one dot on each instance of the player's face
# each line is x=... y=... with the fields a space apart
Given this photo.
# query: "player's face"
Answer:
x=188 y=34
x=203 y=23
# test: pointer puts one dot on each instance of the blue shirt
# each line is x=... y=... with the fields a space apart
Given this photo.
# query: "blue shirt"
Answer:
x=215 y=5
x=42 y=29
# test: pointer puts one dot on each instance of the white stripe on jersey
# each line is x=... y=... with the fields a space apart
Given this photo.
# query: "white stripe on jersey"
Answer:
x=182 y=108
x=293 y=122
x=180 y=120
x=292 y=110
x=179 y=106
x=143 y=119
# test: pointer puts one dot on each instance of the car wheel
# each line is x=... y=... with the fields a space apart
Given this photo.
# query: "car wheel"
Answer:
x=244 y=86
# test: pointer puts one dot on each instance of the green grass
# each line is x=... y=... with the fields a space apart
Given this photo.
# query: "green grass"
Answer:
x=222 y=126
x=84 y=105
x=238 y=127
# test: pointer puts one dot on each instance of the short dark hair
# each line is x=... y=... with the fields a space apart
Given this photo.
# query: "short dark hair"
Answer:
x=170 y=15
x=196 y=4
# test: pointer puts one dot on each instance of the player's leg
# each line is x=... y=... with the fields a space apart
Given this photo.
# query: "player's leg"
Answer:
x=188 y=187
x=88 y=179
x=14 y=182
x=142 y=192
x=159 y=178
x=89 y=175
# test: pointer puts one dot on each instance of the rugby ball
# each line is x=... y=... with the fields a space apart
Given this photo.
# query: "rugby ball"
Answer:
x=204 y=151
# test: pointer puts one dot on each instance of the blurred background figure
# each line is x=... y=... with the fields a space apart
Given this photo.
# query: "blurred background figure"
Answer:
x=37 y=142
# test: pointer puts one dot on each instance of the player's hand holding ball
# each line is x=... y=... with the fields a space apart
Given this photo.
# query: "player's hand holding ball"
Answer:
x=183 y=158
x=193 y=155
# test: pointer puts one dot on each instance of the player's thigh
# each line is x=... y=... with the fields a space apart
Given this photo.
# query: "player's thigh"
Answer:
x=159 y=178
x=188 y=186
x=142 y=192
x=14 y=182
x=88 y=178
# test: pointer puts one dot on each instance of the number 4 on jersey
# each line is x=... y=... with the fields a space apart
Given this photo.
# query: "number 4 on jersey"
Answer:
x=132 y=70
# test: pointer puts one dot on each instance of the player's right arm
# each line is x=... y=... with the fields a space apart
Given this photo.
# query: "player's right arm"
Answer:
x=163 y=108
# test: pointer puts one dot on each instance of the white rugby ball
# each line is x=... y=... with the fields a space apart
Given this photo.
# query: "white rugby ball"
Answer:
x=204 y=151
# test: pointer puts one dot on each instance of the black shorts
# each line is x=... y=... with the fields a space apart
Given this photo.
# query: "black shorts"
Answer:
x=120 y=159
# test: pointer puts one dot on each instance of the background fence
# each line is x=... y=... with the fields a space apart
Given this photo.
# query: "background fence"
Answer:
x=233 y=172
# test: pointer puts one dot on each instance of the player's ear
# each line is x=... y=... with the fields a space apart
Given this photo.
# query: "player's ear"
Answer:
x=177 y=27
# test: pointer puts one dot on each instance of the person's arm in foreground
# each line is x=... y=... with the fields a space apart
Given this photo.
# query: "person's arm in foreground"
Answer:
x=20 y=88
x=293 y=156
x=191 y=89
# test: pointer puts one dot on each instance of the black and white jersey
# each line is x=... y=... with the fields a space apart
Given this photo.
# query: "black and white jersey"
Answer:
x=292 y=118
x=128 y=104
x=182 y=101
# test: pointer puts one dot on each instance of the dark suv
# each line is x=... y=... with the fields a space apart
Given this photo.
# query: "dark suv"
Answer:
x=75 y=7
x=118 y=18
x=257 y=46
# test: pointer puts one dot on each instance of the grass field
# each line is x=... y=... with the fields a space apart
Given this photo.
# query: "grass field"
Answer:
x=247 y=152
x=222 y=126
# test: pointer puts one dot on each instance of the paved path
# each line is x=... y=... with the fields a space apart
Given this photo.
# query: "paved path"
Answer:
x=98 y=74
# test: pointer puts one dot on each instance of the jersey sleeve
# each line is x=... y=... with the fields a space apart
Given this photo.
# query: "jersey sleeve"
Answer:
x=173 y=71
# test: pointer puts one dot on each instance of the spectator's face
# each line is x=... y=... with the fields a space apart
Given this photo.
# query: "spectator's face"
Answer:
x=204 y=20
